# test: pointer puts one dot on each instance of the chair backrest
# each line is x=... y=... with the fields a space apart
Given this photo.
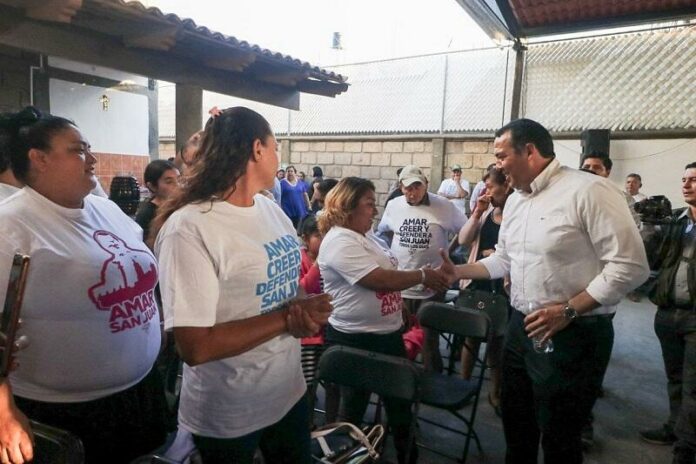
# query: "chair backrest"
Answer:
x=56 y=446
x=459 y=321
x=378 y=373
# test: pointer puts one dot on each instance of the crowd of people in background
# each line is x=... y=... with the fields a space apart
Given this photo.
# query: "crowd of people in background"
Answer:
x=251 y=267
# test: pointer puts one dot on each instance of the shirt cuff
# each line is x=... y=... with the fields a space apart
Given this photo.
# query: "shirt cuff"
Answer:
x=495 y=266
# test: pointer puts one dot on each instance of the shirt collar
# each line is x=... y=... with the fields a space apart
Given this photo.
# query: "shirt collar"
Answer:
x=687 y=213
x=544 y=178
x=690 y=224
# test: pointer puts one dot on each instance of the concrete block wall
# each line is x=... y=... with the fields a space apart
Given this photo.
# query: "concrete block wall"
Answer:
x=378 y=160
x=473 y=156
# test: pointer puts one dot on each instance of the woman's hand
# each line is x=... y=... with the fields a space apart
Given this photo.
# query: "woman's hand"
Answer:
x=482 y=204
x=16 y=439
x=318 y=307
x=488 y=252
x=19 y=344
x=300 y=324
x=307 y=315
x=435 y=280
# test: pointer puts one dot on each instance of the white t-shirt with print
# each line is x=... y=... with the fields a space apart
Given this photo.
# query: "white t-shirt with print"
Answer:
x=89 y=306
x=7 y=191
x=223 y=263
x=419 y=233
x=345 y=257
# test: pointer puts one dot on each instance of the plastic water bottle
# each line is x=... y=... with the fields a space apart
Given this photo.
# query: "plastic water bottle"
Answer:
x=539 y=346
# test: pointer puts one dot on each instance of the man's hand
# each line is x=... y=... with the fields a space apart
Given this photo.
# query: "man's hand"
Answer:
x=448 y=269
x=16 y=439
x=545 y=322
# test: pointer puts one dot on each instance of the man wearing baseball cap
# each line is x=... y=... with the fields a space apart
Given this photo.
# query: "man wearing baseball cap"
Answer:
x=456 y=189
x=418 y=224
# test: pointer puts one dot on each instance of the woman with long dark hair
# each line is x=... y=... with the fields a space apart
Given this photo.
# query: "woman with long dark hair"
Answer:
x=230 y=290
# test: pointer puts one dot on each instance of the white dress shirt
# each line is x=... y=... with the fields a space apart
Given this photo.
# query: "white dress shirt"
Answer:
x=573 y=232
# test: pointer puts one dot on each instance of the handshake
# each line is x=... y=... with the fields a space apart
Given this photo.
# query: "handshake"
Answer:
x=441 y=278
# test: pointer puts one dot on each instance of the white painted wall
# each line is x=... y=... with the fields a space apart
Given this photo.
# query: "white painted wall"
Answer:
x=99 y=71
x=122 y=129
x=660 y=162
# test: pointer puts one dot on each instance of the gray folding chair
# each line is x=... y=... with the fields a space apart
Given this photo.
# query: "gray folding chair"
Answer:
x=384 y=375
x=452 y=393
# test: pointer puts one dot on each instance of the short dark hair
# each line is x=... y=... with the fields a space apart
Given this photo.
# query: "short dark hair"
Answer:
x=691 y=165
x=600 y=155
x=637 y=176
x=155 y=170
x=496 y=175
x=524 y=131
x=317 y=172
x=308 y=226
x=326 y=185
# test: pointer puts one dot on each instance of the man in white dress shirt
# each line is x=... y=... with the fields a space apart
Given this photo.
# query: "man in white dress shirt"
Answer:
x=633 y=184
x=572 y=252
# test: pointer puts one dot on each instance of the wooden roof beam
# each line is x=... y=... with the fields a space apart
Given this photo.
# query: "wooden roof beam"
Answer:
x=161 y=38
x=234 y=60
x=18 y=31
x=283 y=77
x=60 y=11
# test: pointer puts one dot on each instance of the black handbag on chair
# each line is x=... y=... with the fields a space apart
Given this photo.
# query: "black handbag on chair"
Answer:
x=495 y=305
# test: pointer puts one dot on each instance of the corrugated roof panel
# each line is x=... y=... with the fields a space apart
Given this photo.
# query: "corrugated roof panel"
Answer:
x=643 y=81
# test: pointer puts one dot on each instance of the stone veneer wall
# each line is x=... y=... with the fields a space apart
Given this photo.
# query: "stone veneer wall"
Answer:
x=378 y=160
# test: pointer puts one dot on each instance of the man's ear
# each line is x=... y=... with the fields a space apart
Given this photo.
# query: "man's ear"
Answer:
x=38 y=159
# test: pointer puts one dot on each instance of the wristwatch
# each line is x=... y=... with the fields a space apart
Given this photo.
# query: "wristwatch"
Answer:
x=569 y=312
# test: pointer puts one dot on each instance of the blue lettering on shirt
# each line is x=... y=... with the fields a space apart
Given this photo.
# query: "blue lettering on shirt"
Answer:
x=282 y=272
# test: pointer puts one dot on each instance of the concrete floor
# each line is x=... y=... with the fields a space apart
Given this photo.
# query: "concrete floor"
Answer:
x=635 y=398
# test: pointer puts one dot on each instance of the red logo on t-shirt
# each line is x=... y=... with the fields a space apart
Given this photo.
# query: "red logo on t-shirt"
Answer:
x=127 y=284
x=391 y=302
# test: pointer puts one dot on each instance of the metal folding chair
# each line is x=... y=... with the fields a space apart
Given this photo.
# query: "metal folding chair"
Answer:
x=381 y=374
x=452 y=393
x=56 y=446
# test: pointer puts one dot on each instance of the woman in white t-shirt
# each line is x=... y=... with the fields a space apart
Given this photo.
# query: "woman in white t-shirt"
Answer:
x=230 y=264
x=362 y=276
x=89 y=308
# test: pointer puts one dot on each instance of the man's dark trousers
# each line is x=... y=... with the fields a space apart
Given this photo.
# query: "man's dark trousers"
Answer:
x=550 y=395
x=676 y=330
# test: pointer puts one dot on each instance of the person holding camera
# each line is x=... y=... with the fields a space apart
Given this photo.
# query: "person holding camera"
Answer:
x=675 y=323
